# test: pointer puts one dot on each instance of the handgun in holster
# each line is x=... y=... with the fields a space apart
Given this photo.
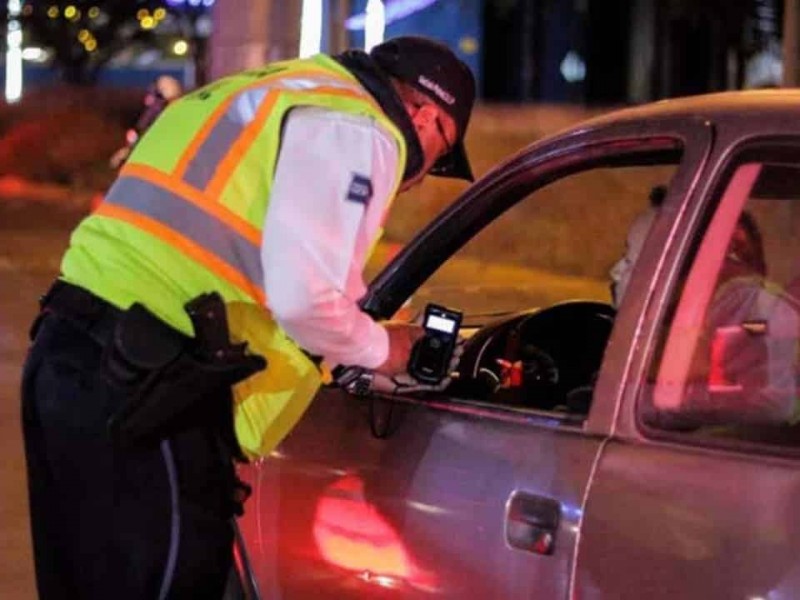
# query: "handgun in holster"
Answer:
x=173 y=382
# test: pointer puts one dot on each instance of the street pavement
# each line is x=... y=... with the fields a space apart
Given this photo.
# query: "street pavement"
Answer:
x=32 y=238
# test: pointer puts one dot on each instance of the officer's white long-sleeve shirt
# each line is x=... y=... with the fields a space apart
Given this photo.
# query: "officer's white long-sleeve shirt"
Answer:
x=319 y=228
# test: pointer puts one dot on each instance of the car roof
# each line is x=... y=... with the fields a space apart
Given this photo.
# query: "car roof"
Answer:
x=736 y=108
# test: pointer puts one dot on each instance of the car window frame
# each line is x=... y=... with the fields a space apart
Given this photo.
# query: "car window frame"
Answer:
x=513 y=181
x=506 y=186
x=756 y=149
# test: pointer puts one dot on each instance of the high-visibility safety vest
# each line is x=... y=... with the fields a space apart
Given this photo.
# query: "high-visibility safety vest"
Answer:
x=186 y=216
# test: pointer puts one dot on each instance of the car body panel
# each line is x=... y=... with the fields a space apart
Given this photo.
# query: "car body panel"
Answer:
x=412 y=497
x=673 y=522
x=422 y=512
x=683 y=518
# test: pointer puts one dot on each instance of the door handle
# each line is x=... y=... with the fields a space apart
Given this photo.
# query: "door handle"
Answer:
x=532 y=522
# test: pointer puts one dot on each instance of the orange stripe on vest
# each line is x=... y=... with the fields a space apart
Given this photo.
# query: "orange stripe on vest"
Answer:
x=187 y=246
x=191 y=150
x=196 y=197
x=188 y=154
x=228 y=165
x=234 y=156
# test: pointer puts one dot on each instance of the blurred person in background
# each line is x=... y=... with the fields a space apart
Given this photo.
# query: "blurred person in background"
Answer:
x=164 y=90
x=233 y=239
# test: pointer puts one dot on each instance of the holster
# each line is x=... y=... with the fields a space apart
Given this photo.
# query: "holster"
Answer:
x=170 y=381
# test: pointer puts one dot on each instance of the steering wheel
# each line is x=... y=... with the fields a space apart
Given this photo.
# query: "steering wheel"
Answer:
x=546 y=358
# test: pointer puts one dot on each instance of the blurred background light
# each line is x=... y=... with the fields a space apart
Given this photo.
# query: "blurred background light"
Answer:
x=180 y=48
x=394 y=11
x=13 y=88
x=572 y=68
x=35 y=54
x=375 y=24
x=310 y=28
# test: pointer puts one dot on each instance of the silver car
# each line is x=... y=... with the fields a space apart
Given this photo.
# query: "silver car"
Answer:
x=587 y=449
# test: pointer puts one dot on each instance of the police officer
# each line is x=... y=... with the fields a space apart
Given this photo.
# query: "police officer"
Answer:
x=234 y=238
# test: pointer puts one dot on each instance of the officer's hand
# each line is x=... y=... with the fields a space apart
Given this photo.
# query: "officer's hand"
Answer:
x=363 y=382
x=403 y=383
x=402 y=337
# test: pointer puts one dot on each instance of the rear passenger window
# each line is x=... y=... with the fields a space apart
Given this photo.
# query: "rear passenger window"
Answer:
x=729 y=360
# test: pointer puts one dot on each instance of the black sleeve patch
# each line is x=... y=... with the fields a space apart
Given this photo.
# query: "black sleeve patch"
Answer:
x=360 y=189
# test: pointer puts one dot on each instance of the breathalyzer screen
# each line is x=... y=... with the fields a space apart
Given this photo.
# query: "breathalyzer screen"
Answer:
x=440 y=324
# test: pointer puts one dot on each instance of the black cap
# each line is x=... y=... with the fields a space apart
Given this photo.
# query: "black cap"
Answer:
x=435 y=70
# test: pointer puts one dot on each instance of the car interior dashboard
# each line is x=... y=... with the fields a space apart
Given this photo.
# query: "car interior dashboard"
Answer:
x=544 y=359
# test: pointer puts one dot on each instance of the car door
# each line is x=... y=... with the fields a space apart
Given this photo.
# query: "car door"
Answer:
x=442 y=494
x=696 y=494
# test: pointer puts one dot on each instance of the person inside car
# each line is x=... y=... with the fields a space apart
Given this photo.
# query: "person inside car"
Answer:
x=523 y=372
x=637 y=233
x=744 y=367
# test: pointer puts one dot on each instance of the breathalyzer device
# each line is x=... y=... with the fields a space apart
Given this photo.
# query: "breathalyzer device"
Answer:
x=430 y=357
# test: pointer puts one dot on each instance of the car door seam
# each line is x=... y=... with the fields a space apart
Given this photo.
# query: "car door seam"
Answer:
x=584 y=502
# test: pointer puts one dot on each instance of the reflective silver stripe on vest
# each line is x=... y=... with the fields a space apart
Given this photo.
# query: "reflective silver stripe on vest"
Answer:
x=190 y=221
x=201 y=170
x=239 y=115
x=222 y=136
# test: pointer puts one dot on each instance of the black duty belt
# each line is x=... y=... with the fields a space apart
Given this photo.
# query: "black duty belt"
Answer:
x=91 y=313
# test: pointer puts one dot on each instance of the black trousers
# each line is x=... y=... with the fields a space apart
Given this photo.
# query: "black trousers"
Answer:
x=149 y=522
